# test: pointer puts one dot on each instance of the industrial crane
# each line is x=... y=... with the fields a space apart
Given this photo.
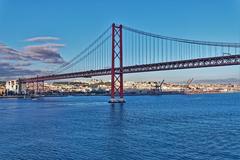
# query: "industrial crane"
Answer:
x=187 y=86
x=158 y=86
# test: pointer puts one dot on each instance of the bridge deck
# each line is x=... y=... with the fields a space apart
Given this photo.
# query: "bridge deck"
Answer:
x=173 y=65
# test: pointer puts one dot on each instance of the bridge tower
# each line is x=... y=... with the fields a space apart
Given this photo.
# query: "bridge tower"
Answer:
x=117 y=65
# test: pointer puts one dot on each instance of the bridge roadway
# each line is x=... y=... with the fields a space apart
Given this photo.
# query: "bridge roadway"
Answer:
x=173 y=65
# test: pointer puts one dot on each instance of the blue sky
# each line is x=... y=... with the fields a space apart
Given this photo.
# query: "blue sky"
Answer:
x=77 y=22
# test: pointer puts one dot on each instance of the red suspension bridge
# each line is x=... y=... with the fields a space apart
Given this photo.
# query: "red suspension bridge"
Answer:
x=121 y=50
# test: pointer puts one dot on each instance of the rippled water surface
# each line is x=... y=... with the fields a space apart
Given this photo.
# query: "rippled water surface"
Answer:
x=146 y=127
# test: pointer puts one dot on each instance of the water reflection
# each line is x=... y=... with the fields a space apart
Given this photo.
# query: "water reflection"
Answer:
x=117 y=132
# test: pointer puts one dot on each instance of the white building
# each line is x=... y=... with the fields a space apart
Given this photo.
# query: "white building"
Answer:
x=14 y=87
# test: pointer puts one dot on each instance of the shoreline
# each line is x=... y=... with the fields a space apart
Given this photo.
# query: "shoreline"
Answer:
x=41 y=96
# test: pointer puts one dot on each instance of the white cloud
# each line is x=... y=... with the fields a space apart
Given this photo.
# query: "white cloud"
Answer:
x=42 y=39
x=17 y=63
x=48 y=53
x=9 y=53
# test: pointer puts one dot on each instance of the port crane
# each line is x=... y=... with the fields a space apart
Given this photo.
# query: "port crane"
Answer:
x=189 y=83
x=158 y=86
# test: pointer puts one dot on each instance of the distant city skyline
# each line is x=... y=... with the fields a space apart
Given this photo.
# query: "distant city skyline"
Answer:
x=38 y=36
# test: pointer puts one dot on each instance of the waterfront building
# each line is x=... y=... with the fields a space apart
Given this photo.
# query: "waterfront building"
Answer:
x=13 y=87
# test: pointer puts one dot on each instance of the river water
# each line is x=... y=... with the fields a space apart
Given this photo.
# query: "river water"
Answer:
x=144 y=128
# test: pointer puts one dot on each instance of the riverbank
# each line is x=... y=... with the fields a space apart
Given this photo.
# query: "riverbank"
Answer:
x=126 y=94
x=21 y=96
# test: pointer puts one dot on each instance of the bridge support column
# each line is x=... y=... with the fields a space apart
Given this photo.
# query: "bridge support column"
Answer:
x=34 y=89
x=42 y=87
x=117 y=66
x=37 y=88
